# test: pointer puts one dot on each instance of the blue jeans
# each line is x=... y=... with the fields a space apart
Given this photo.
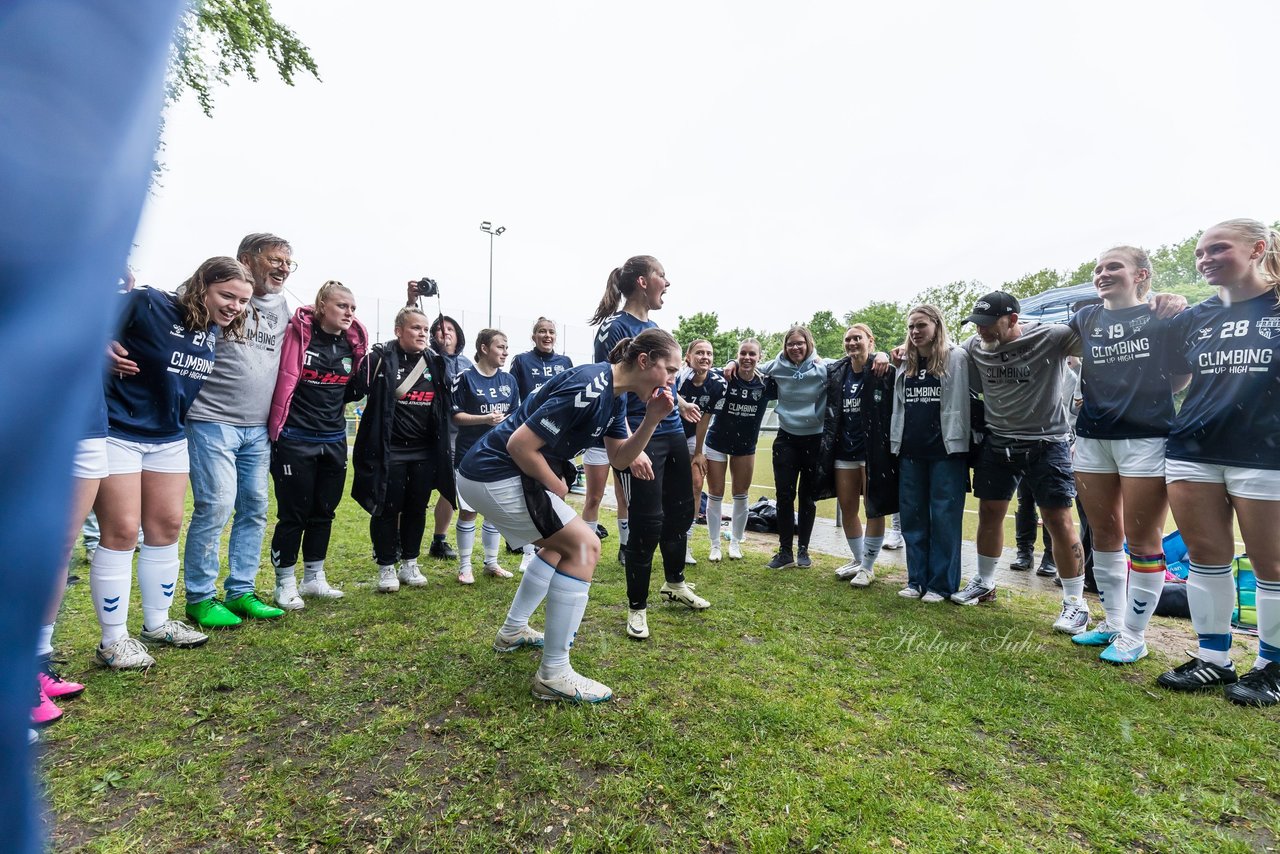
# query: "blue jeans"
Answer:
x=931 y=497
x=228 y=472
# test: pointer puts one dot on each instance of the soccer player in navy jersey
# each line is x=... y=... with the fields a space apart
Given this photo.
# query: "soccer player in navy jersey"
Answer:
x=513 y=476
x=169 y=343
x=730 y=444
x=1127 y=409
x=322 y=350
x=535 y=367
x=701 y=385
x=480 y=398
x=1222 y=457
x=659 y=484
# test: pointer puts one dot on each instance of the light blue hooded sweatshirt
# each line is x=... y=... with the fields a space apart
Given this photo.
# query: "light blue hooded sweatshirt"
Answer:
x=802 y=393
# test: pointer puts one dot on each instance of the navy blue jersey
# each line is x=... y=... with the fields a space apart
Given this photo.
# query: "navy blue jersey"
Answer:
x=704 y=396
x=853 y=432
x=173 y=363
x=1231 y=415
x=96 y=428
x=922 y=416
x=613 y=329
x=573 y=411
x=735 y=427
x=534 y=368
x=1124 y=373
x=475 y=394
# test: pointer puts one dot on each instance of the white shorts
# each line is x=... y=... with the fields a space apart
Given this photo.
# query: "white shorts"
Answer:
x=1259 y=484
x=522 y=510
x=713 y=455
x=595 y=457
x=91 y=459
x=125 y=457
x=462 y=504
x=850 y=465
x=1125 y=457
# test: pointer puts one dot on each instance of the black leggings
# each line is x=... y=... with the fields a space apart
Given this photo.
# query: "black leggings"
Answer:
x=660 y=510
x=309 y=477
x=796 y=458
x=397 y=531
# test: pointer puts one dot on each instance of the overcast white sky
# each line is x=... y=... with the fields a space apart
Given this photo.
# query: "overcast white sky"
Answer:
x=777 y=158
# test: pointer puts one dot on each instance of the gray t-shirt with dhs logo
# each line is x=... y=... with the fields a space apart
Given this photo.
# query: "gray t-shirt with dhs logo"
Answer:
x=1023 y=381
x=239 y=390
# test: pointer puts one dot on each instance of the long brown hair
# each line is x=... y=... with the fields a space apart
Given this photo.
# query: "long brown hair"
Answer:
x=621 y=283
x=191 y=296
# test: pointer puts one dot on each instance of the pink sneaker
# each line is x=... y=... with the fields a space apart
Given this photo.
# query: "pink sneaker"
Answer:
x=53 y=685
x=44 y=712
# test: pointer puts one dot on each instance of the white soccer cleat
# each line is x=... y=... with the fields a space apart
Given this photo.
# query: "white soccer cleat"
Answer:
x=510 y=643
x=318 y=588
x=125 y=653
x=570 y=686
x=683 y=593
x=689 y=559
x=175 y=633
x=493 y=570
x=638 y=624
x=714 y=554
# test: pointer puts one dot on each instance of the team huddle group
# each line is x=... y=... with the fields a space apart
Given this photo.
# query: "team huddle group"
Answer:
x=218 y=384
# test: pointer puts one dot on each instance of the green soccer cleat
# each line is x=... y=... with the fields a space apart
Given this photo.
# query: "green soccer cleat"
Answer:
x=211 y=614
x=249 y=606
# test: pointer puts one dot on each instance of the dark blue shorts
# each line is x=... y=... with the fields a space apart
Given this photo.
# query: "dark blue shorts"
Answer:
x=1044 y=465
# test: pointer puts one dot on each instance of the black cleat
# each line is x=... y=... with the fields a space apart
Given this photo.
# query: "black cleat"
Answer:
x=1196 y=675
x=442 y=550
x=1258 y=687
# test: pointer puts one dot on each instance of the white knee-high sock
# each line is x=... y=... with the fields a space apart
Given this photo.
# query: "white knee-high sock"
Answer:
x=1268 y=602
x=715 y=509
x=1211 y=595
x=529 y=595
x=624 y=531
x=466 y=532
x=490 y=540
x=157 y=578
x=738 y=527
x=1145 y=581
x=871 y=550
x=566 y=602
x=1110 y=571
x=44 y=642
x=110 y=579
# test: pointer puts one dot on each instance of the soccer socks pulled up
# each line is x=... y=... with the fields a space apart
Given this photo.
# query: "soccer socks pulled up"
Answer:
x=490 y=540
x=738 y=527
x=466 y=533
x=1110 y=571
x=715 y=509
x=529 y=595
x=566 y=602
x=871 y=550
x=110 y=578
x=44 y=641
x=310 y=569
x=856 y=547
x=1146 y=580
x=987 y=570
x=624 y=531
x=1211 y=595
x=1268 y=601
x=157 y=578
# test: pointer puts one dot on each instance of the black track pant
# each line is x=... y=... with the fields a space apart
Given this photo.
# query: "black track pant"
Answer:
x=796 y=458
x=309 y=479
x=397 y=531
x=660 y=510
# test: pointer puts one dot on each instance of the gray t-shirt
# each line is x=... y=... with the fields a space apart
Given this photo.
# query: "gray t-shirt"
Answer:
x=244 y=372
x=1025 y=381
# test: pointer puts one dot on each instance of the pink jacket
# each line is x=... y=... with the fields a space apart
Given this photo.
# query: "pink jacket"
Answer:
x=296 y=338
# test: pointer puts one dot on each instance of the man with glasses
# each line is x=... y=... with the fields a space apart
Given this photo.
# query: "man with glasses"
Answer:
x=230 y=454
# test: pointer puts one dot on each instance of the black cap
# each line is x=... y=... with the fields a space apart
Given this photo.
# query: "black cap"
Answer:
x=992 y=307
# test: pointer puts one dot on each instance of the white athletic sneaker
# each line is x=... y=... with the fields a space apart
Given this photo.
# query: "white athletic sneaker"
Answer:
x=974 y=592
x=909 y=592
x=318 y=588
x=465 y=576
x=892 y=540
x=387 y=581
x=735 y=549
x=174 y=633
x=714 y=554
x=638 y=624
x=410 y=574
x=683 y=593
x=124 y=653
x=510 y=643
x=287 y=595
x=847 y=571
x=1074 y=618
x=525 y=560
x=931 y=598
x=689 y=559
x=571 y=686
x=492 y=569
x=862 y=577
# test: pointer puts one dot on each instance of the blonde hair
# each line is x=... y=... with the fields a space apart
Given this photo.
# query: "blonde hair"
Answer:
x=865 y=330
x=803 y=332
x=1269 y=264
x=1140 y=260
x=941 y=344
x=327 y=290
x=403 y=314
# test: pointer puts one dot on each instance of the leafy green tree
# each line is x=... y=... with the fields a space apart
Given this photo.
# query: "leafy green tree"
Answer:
x=706 y=324
x=888 y=322
x=1081 y=274
x=219 y=38
x=828 y=334
x=955 y=302
x=1033 y=283
x=1175 y=264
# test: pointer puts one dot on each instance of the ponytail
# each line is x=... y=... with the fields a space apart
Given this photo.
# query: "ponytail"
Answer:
x=653 y=343
x=620 y=284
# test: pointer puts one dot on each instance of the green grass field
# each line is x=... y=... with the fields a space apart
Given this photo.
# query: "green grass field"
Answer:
x=795 y=714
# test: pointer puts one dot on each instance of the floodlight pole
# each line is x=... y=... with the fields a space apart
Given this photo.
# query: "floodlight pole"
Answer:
x=487 y=228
